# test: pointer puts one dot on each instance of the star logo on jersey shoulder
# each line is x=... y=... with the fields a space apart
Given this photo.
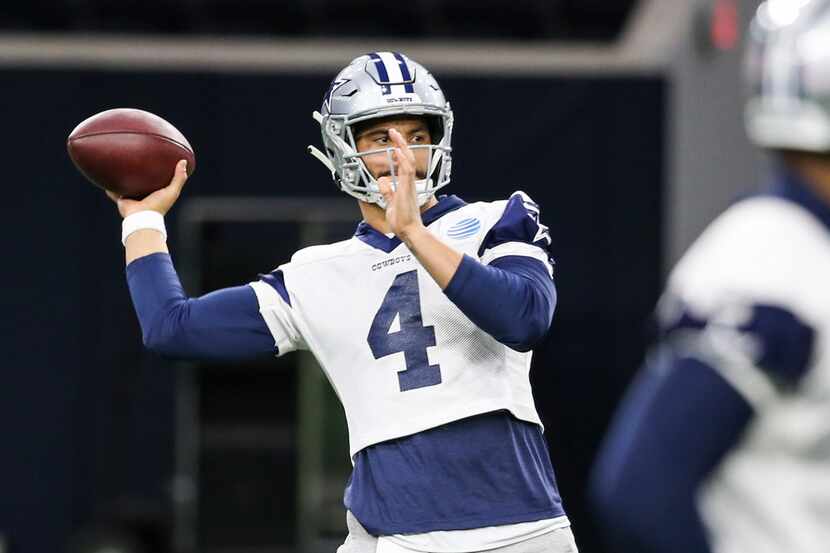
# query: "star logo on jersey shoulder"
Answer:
x=542 y=231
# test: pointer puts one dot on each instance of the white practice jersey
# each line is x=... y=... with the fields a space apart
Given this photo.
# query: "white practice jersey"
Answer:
x=771 y=257
x=400 y=355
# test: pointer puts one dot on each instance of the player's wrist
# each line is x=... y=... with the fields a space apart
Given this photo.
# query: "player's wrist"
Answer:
x=146 y=219
x=412 y=232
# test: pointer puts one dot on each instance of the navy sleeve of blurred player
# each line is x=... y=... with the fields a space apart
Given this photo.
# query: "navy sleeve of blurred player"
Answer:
x=679 y=420
x=225 y=324
x=674 y=426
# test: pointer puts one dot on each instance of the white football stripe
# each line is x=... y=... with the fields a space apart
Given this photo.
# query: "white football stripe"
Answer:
x=392 y=67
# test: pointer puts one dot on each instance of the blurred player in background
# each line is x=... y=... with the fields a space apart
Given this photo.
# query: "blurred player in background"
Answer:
x=723 y=443
x=423 y=322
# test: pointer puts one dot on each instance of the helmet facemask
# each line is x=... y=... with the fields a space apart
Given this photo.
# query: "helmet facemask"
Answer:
x=355 y=98
x=354 y=176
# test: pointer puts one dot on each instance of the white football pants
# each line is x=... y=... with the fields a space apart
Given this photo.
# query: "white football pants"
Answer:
x=360 y=541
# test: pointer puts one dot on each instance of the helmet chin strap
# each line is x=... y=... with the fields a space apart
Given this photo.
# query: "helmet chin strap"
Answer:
x=422 y=195
x=421 y=188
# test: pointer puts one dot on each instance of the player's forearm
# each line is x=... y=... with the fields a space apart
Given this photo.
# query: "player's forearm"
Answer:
x=440 y=260
x=144 y=242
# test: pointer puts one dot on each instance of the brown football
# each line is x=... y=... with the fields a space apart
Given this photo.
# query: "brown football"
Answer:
x=128 y=151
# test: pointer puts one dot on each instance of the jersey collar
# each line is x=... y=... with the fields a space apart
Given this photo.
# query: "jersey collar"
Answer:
x=370 y=235
x=790 y=186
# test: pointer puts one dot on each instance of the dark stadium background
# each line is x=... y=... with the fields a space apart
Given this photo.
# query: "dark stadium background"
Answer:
x=87 y=418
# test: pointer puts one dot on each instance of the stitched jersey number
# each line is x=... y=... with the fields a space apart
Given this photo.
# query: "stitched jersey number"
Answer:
x=413 y=338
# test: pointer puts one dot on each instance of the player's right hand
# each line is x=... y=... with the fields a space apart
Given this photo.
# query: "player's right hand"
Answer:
x=161 y=200
x=402 y=212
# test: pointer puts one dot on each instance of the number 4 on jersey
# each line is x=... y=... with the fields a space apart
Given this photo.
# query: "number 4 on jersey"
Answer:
x=403 y=300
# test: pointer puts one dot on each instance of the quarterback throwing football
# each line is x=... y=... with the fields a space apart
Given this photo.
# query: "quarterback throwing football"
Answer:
x=423 y=322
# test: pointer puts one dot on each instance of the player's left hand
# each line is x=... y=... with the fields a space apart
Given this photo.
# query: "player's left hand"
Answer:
x=402 y=213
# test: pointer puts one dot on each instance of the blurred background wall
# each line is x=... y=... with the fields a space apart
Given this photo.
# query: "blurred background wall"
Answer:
x=621 y=118
x=710 y=160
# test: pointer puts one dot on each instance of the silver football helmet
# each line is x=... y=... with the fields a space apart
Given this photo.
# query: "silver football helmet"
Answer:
x=788 y=73
x=377 y=85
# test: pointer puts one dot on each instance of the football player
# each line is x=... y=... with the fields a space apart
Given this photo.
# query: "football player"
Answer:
x=423 y=322
x=723 y=443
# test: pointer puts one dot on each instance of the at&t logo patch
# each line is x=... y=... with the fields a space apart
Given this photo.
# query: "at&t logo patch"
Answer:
x=464 y=228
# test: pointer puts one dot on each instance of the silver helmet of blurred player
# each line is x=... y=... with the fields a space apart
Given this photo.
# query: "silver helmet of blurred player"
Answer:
x=374 y=86
x=788 y=73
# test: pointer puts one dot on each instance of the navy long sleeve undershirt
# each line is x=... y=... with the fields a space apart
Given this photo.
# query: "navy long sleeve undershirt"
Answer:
x=225 y=324
x=513 y=300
